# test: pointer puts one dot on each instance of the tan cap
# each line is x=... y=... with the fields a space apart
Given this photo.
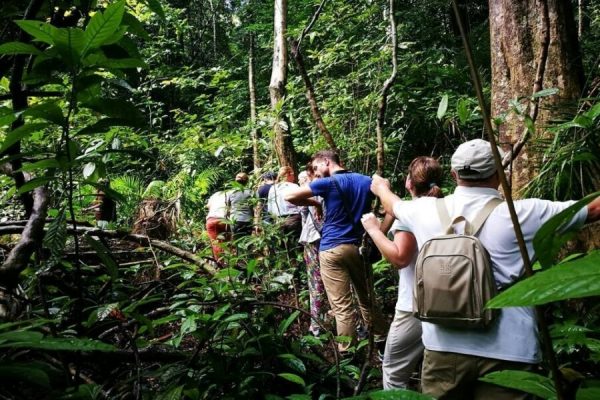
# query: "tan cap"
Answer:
x=473 y=160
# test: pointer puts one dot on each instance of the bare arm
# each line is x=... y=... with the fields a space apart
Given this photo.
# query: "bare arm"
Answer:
x=399 y=252
x=593 y=211
x=302 y=196
x=381 y=188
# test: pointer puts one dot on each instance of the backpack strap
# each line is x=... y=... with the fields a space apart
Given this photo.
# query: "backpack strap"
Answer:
x=471 y=228
x=480 y=218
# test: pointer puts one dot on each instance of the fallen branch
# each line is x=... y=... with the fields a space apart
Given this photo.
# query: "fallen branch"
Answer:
x=32 y=235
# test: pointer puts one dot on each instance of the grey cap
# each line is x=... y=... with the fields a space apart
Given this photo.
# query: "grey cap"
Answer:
x=473 y=160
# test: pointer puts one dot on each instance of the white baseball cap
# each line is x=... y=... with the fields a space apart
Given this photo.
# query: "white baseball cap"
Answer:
x=473 y=160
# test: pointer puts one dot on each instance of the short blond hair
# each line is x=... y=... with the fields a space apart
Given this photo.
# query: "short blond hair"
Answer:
x=284 y=172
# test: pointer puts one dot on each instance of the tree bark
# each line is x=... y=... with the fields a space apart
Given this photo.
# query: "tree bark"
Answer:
x=284 y=146
x=534 y=46
x=252 y=91
x=384 y=92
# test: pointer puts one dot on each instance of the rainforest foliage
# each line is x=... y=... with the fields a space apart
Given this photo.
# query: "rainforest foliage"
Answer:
x=118 y=120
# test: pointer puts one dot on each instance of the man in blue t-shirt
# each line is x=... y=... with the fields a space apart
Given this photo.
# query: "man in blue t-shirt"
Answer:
x=346 y=197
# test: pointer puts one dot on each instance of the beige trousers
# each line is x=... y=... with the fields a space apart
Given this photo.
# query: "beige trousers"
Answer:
x=448 y=376
x=342 y=267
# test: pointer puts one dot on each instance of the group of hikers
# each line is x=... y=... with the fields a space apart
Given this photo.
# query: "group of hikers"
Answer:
x=330 y=211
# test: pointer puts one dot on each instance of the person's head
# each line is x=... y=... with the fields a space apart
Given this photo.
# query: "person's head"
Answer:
x=286 y=173
x=325 y=162
x=268 y=176
x=303 y=178
x=242 y=178
x=473 y=164
x=424 y=177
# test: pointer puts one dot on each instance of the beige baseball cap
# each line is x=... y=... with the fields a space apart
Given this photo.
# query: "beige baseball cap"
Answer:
x=473 y=160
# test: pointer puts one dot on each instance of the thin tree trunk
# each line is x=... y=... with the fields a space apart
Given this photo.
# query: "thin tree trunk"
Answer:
x=580 y=17
x=384 y=92
x=252 y=90
x=310 y=90
x=283 y=140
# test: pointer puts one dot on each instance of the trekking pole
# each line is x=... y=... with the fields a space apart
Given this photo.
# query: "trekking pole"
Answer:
x=543 y=326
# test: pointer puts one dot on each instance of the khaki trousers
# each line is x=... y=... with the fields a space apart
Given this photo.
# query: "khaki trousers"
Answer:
x=342 y=267
x=455 y=376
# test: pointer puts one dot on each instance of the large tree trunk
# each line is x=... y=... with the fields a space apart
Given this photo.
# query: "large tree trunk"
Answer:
x=252 y=90
x=283 y=139
x=534 y=46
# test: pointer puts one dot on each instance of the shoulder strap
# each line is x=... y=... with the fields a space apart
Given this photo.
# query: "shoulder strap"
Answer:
x=471 y=228
x=483 y=215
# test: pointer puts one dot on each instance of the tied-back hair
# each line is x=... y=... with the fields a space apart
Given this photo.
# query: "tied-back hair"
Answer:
x=327 y=154
x=284 y=172
x=426 y=176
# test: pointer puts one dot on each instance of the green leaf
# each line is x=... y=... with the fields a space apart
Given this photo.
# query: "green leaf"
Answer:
x=462 y=109
x=570 y=280
x=529 y=124
x=134 y=26
x=104 y=254
x=12 y=48
x=550 y=237
x=593 y=112
x=34 y=183
x=120 y=109
x=592 y=393
x=20 y=372
x=545 y=93
x=292 y=378
x=40 y=31
x=50 y=111
x=103 y=25
x=442 y=107
x=66 y=344
x=56 y=238
x=293 y=362
x=88 y=169
x=21 y=133
x=42 y=164
x=285 y=324
x=70 y=43
x=156 y=7
x=528 y=382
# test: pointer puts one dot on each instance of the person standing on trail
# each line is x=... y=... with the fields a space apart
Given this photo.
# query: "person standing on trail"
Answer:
x=261 y=214
x=281 y=209
x=454 y=359
x=346 y=197
x=404 y=348
x=216 y=226
x=310 y=237
x=240 y=211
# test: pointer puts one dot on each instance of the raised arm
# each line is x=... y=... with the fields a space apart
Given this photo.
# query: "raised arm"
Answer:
x=381 y=188
x=302 y=196
x=400 y=251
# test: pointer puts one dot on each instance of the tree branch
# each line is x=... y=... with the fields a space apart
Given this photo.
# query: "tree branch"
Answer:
x=31 y=237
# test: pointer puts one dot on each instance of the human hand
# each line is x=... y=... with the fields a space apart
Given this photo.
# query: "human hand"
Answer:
x=378 y=184
x=370 y=222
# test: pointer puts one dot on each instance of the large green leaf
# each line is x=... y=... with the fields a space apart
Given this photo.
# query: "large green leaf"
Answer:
x=120 y=109
x=40 y=31
x=292 y=378
x=529 y=382
x=569 y=280
x=34 y=183
x=12 y=48
x=21 y=372
x=70 y=41
x=550 y=238
x=21 y=133
x=134 y=26
x=103 y=25
x=50 y=111
x=442 y=107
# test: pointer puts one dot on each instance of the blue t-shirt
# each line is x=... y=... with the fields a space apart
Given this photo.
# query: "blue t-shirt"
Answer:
x=337 y=228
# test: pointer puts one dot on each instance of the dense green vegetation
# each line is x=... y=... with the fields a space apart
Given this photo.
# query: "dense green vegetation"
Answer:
x=146 y=102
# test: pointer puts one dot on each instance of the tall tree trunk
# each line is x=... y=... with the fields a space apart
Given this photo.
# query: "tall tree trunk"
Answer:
x=252 y=90
x=284 y=146
x=534 y=46
x=384 y=92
